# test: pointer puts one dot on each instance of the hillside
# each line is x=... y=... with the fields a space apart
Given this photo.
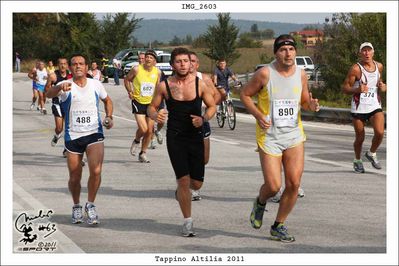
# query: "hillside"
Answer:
x=165 y=29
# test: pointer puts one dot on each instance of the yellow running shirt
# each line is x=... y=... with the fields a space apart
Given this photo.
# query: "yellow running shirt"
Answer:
x=144 y=84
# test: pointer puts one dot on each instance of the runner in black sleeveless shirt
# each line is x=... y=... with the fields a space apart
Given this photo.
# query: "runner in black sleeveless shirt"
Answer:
x=59 y=75
x=184 y=94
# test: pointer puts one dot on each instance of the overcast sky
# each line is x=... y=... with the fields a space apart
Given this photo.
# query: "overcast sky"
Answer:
x=312 y=18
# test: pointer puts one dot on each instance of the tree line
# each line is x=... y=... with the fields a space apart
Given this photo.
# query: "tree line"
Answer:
x=48 y=36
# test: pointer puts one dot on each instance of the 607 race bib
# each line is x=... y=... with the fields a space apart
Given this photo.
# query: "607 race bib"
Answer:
x=285 y=113
x=147 y=89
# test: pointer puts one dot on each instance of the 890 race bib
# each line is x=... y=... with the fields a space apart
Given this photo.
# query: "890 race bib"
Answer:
x=285 y=113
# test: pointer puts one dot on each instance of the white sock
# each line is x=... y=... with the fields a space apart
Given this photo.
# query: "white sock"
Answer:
x=189 y=219
x=372 y=153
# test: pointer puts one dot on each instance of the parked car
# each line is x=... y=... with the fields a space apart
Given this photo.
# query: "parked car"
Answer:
x=125 y=57
x=163 y=64
x=304 y=62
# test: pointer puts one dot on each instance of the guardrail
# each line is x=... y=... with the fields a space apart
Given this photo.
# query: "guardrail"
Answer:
x=326 y=114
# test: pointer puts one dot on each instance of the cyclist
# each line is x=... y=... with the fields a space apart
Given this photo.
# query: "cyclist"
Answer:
x=221 y=77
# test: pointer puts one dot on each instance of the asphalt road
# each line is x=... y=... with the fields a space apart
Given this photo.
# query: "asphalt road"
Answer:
x=342 y=212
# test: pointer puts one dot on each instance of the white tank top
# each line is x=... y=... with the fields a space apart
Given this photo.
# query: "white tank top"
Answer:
x=96 y=76
x=81 y=108
x=41 y=76
x=364 y=103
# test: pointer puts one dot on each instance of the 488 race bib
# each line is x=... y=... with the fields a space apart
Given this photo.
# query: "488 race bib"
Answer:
x=84 y=120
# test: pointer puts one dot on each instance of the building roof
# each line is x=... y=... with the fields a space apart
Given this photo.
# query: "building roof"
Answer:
x=308 y=33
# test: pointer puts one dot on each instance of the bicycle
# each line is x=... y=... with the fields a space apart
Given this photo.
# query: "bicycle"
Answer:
x=227 y=111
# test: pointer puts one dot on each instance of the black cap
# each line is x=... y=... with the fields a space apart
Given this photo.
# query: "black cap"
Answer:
x=151 y=52
x=284 y=39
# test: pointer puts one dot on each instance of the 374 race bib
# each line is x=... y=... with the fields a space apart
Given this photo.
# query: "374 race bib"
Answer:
x=369 y=97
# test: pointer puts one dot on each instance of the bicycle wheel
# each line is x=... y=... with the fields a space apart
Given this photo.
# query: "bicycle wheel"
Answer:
x=220 y=115
x=231 y=116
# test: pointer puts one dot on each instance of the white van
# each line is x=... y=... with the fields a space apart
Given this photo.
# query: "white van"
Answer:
x=304 y=62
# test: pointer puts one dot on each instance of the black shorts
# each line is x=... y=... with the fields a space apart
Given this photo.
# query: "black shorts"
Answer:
x=56 y=109
x=365 y=117
x=186 y=154
x=138 y=108
x=206 y=130
x=80 y=145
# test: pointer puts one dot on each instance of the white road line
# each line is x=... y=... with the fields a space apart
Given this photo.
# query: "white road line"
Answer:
x=65 y=244
x=345 y=165
x=225 y=141
x=323 y=125
x=306 y=124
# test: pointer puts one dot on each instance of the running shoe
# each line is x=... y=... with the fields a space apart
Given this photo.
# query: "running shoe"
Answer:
x=256 y=216
x=91 y=214
x=152 y=144
x=301 y=192
x=143 y=158
x=358 y=166
x=276 y=198
x=64 y=153
x=77 y=214
x=373 y=159
x=188 y=229
x=280 y=233
x=83 y=162
x=32 y=106
x=55 y=140
x=195 y=195
x=159 y=136
x=134 y=147
x=44 y=111
x=37 y=108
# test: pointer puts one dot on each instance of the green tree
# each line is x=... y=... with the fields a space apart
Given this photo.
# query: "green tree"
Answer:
x=188 y=40
x=247 y=42
x=254 y=28
x=176 y=41
x=221 y=40
x=117 y=32
x=51 y=35
x=343 y=35
x=267 y=34
x=200 y=42
x=79 y=32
